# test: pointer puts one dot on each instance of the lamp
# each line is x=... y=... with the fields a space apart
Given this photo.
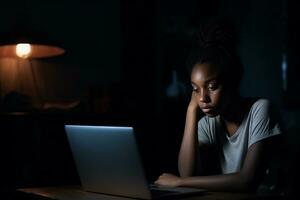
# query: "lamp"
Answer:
x=25 y=41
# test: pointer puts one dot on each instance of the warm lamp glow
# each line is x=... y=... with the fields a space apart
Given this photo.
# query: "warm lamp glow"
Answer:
x=23 y=50
x=29 y=51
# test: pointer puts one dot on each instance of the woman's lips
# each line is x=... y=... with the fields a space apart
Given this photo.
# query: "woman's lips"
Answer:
x=207 y=109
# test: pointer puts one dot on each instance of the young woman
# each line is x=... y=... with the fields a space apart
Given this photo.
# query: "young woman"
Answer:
x=242 y=131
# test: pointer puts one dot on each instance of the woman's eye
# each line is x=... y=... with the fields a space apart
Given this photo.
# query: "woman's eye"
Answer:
x=194 y=89
x=212 y=86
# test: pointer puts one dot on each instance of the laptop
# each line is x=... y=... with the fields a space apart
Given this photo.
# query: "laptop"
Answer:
x=108 y=162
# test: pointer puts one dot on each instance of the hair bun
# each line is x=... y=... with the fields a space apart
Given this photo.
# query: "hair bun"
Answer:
x=217 y=33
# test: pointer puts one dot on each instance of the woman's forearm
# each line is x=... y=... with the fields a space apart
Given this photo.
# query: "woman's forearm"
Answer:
x=225 y=182
x=188 y=150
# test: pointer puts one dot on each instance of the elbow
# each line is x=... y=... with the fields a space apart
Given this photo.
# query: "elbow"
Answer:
x=247 y=185
x=185 y=173
x=185 y=170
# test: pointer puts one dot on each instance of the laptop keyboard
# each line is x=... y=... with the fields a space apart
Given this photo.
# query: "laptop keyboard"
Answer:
x=155 y=190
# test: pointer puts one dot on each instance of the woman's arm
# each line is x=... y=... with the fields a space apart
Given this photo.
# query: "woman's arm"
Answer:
x=189 y=144
x=246 y=180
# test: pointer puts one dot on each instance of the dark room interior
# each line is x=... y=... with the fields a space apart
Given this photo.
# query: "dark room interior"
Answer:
x=125 y=64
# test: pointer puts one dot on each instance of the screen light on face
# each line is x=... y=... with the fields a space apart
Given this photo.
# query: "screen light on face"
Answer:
x=23 y=50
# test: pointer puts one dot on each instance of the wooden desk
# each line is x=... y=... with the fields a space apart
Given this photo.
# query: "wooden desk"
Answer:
x=76 y=193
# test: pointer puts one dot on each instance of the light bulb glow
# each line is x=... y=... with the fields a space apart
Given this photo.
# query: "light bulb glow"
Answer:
x=23 y=50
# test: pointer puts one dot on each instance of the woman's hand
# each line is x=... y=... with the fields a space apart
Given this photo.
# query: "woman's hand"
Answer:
x=193 y=102
x=168 y=180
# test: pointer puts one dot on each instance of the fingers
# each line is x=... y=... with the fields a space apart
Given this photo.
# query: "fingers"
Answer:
x=160 y=179
x=162 y=175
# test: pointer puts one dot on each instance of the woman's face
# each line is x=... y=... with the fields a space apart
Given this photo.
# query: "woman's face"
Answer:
x=209 y=91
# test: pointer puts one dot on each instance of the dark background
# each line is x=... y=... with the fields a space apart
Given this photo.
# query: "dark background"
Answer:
x=119 y=60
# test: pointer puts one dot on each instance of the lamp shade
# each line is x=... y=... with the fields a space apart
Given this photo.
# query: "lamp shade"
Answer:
x=26 y=42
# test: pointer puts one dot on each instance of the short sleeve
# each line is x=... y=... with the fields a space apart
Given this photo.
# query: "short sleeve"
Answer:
x=203 y=131
x=264 y=121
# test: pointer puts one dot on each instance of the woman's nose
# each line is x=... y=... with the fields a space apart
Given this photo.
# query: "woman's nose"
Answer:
x=203 y=96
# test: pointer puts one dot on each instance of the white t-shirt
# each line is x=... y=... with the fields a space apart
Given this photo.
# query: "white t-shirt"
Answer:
x=258 y=124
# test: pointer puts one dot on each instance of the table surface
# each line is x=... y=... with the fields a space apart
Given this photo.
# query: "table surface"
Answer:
x=76 y=193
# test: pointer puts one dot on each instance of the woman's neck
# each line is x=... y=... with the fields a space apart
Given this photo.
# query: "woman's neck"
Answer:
x=235 y=111
x=234 y=114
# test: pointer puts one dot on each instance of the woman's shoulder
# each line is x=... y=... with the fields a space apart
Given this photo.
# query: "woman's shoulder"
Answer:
x=257 y=101
x=262 y=102
x=263 y=106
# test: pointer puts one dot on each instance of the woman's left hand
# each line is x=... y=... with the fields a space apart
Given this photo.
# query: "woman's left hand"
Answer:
x=168 y=180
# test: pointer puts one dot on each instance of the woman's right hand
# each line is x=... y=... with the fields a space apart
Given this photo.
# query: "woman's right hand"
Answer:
x=193 y=102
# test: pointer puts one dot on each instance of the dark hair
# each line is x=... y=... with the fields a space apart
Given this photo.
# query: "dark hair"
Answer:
x=216 y=45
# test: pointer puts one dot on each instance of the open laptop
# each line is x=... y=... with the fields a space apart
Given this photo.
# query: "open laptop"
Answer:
x=108 y=162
